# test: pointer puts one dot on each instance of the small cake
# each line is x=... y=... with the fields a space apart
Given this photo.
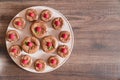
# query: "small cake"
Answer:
x=49 y=44
x=25 y=60
x=63 y=51
x=64 y=36
x=15 y=50
x=31 y=15
x=30 y=45
x=19 y=23
x=38 y=29
x=53 y=61
x=39 y=65
x=12 y=36
x=57 y=23
x=46 y=15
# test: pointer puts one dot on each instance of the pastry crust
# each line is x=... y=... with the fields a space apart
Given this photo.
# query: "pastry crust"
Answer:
x=40 y=61
x=61 y=35
x=60 y=24
x=15 y=51
x=32 y=12
x=46 y=15
x=22 y=23
x=28 y=58
x=30 y=49
x=14 y=33
x=41 y=25
x=63 y=51
x=52 y=40
x=50 y=61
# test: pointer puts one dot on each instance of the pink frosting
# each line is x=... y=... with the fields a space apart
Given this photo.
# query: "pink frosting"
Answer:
x=12 y=36
x=64 y=50
x=53 y=61
x=46 y=15
x=31 y=14
x=49 y=44
x=64 y=36
x=30 y=44
x=14 y=50
x=39 y=65
x=18 y=23
x=24 y=61
x=38 y=29
x=57 y=23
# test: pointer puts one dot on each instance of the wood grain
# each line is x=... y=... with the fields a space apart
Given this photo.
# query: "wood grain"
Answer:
x=96 y=53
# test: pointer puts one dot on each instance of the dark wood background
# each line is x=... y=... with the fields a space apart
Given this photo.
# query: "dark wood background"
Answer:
x=96 y=53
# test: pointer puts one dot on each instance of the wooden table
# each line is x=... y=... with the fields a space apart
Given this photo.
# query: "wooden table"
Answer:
x=96 y=53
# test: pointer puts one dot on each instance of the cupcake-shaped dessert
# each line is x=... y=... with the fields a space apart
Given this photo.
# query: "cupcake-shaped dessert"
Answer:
x=64 y=36
x=12 y=36
x=15 y=51
x=19 y=23
x=49 y=44
x=39 y=65
x=63 y=51
x=30 y=45
x=25 y=60
x=57 y=23
x=46 y=15
x=31 y=15
x=53 y=61
x=38 y=29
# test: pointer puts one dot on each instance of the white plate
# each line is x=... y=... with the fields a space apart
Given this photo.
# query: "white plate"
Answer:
x=41 y=54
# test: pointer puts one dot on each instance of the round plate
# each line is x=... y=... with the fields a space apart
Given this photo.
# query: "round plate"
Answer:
x=50 y=31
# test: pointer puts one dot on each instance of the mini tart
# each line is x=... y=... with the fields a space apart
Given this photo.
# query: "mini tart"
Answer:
x=19 y=23
x=38 y=29
x=53 y=61
x=46 y=15
x=39 y=65
x=31 y=15
x=25 y=60
x=64 y=36
x=48 y=44
x=12 y=36
x=15 y=50
x=63 y=51
x=30 y=45
x=57 y=23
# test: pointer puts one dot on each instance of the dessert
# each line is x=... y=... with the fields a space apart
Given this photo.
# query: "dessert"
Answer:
x=57 y=23
x=48 y=44
x=39 y=65
x=31 y=15
x=64 y=36
x=30 y=45
x=53 y=61
x=63 y=51
x=19 y=23
x=46 y=15
x=25 y=61
x=15 y=50
x=38 y=29
x=12 y=36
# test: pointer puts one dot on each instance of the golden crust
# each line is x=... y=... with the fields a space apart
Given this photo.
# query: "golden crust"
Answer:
x=51 y=39
x=29 y=18
x=62 y=39
x=49 y=61
x=32 y=49
x=17 y=37
x=22 y=20
x=41 y=62
x=38 y=24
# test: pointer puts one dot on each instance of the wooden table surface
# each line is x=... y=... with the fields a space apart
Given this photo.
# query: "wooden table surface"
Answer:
x=96 y=53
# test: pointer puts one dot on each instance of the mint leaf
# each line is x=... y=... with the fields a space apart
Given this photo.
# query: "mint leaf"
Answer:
x=50 y=48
